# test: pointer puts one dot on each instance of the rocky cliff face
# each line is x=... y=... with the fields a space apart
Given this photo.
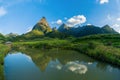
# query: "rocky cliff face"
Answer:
x=43 y=26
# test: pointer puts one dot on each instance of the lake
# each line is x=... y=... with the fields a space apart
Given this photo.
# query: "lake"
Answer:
x=56 y=65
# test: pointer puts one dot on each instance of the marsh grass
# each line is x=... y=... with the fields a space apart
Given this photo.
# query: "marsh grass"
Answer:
x=92 y=48
x=4 y=49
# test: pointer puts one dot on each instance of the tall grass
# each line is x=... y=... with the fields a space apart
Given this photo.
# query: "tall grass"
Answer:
x=99 y=51
x=3 y=50
x=43 y=44
x=95 y=49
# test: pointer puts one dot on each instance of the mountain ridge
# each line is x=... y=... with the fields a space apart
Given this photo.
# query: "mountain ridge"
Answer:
x=79 y=31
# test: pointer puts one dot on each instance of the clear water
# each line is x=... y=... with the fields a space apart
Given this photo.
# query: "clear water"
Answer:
x=56 y=65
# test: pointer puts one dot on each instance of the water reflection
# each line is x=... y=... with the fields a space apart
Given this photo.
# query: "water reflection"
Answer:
x=76 y=67
x=18 y=66
x=56 y=65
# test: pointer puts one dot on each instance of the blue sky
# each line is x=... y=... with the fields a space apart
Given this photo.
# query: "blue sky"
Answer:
x=19 y=16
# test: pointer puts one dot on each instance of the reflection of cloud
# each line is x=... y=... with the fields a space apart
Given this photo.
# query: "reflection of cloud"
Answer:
x=29 y=58
x=90 y=63
x=76 y=67
x=19 y=55
x=57 y=66
x=110 y=69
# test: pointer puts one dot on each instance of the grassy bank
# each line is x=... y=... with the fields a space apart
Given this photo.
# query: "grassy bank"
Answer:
x=94 y=49
x=3 y=50
x=99 y=51
x=42 y=44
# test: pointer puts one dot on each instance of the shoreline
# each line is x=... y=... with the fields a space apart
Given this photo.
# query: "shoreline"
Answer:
x=94 y=50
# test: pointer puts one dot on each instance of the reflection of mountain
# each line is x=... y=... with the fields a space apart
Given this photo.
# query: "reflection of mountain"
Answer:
x=42 y=58
x=42 y=62
x=65 y=56
x=38 y=58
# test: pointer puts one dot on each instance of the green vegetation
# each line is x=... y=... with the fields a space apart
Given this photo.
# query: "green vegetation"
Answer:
x=44 y=44
x=99 y=51
x=33 y=34
x=102 y=43
x=2 y=38
x=93 y=46
x=3 y=50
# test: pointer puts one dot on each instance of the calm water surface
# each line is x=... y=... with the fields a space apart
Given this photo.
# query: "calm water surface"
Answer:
x=56 y=65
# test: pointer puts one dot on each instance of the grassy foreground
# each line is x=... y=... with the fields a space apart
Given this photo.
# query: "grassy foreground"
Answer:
x=3 y=50
x=92 y=48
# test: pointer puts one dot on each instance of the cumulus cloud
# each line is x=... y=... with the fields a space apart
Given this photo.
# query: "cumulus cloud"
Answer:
x=118 y=19
x=2 y=11
x=104 y=1
x=59 y=22
x=75 y=20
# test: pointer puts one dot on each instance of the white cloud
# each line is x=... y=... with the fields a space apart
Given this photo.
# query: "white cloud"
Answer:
x=75 y=20
x=103 y=1
x=59 y=22
x=118 y=19
x=2 y=11
x=116 y=27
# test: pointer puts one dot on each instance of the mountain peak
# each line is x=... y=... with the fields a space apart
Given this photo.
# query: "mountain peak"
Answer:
x=63 y=27
x=106 y=26
x=42 y=25
x=108 y=29
x=43 y=21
